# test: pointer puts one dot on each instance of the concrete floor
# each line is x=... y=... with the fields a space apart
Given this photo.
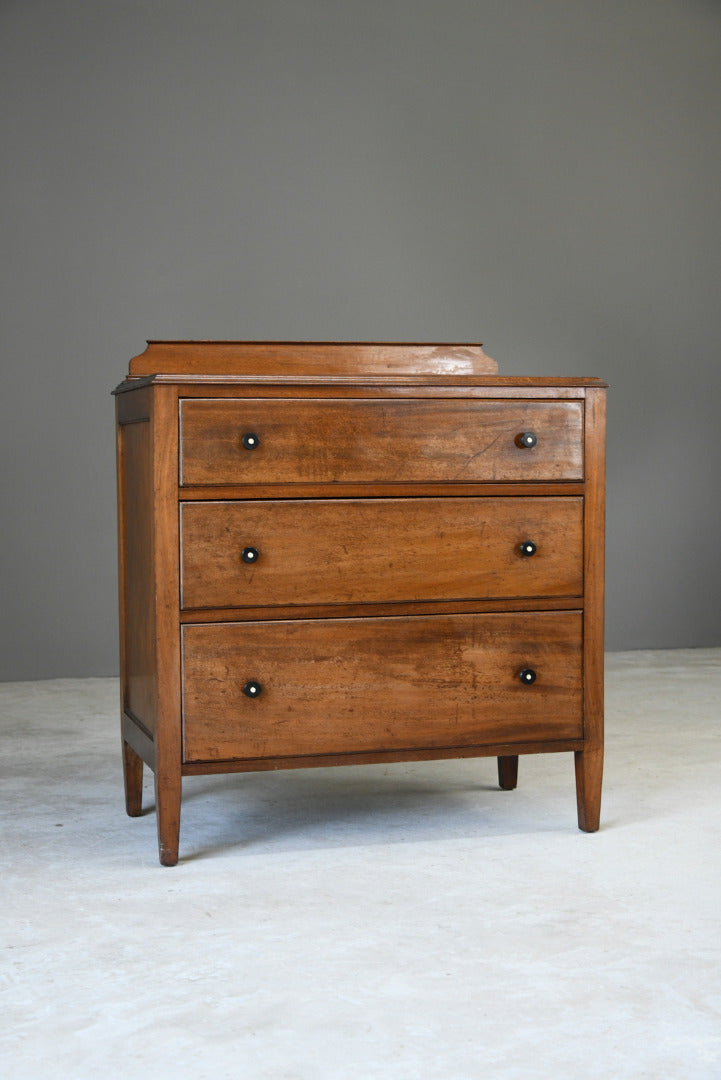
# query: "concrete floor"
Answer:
x=404 y=922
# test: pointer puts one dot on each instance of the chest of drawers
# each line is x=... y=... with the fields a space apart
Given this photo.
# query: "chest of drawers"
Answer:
x=344 y=554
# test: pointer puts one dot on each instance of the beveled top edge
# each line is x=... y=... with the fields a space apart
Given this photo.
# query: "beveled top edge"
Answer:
x=388 y=382
x=311 y=358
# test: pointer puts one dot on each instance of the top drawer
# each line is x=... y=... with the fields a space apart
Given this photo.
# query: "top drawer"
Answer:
x=262 y=441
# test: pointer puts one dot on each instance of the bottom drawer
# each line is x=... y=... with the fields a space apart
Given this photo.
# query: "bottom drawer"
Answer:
x=330 y=686
x=334 y=686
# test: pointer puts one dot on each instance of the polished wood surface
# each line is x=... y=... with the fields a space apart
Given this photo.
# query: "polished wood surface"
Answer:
x=326 y=551
x=508 y=772
x=136 y=569
x=325 y=441
x=310 y=358
x=270 y=613
x=166 y=541
x=389 y=612
x=398 y=489
x=379 y=757
x=149 y=586
x=138 y=681
x=362 y=684
x=133 y=780
x=370 y=386
x=589 y=761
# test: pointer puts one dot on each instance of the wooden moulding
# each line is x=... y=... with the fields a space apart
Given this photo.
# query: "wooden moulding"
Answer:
x=368 y=386
x=380 y=490
x=310 y=358
x=380 y=757
x=357 y=611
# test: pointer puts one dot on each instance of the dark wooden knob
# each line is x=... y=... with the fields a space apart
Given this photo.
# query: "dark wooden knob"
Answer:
x=252 y=689
x=526 y=440
x=528 y=548
x=527 y=676
x=250 y=441
x=249 y=554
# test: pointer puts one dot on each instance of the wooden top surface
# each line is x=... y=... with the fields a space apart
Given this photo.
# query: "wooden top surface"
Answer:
x=339 y=365
x=310 y=358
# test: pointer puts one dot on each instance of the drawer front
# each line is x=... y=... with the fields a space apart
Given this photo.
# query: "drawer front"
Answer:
x=366 y=441
x=353 y=685
x=259 y=553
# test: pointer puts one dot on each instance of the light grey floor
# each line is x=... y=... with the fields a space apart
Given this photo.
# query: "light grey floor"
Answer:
x=405 y=921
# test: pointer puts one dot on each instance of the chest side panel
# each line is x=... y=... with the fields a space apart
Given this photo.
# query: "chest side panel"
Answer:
x=137 y=571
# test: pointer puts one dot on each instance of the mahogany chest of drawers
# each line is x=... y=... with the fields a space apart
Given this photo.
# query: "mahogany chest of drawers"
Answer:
x=339 y=554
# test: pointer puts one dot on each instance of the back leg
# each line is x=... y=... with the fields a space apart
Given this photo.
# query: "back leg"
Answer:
x=133 y=778
x=508 y=772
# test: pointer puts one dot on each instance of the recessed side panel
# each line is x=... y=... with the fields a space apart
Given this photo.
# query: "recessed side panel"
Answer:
x=135 y=479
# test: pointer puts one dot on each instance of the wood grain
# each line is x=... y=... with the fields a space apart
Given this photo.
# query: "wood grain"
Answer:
x=313 y=441
x=367 y=550
x=378 y=757
x=371 y=386
x=589 y=762
x=139 y=739
x=390 y=612
x=310 y=357
x=356 y=611
x=373 y=684
x=135 y=548
x=133 y=781
x=340 y=490
x=166 y=542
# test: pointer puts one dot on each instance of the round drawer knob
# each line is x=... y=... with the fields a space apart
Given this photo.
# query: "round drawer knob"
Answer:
x=252 y=689
x=528 y=548
x=249 y=555
x=527 y=439
x=528 y=676
x=250 y=441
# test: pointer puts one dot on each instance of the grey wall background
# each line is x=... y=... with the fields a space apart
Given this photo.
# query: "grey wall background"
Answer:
x=541 y=176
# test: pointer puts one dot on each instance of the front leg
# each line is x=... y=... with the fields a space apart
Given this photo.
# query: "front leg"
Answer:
x=167 y=810
x=589 y=774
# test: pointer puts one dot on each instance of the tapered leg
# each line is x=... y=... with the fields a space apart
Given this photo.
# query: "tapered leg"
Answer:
x=589 y=774
x=167 y=809
x=508 y=772
x=133 y=778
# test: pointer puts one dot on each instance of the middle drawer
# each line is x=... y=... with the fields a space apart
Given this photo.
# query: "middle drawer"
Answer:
x=345 y=551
